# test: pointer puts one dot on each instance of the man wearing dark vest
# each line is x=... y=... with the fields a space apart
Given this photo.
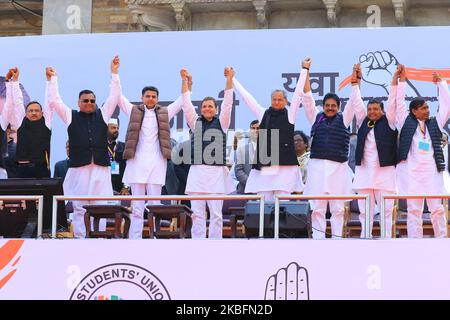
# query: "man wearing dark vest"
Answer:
x=421 y=160
x=33 y=124
x=147 y=148
x=328 y=170
x=376 y=150
x=89 y=173
x=275 y=169
x=208 y=173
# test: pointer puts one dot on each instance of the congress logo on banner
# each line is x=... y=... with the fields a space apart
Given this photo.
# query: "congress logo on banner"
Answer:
x=120 y=281
x=290 y=283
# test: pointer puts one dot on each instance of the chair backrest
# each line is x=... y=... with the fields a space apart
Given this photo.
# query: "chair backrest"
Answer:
x=227 y=204
x=107 y=212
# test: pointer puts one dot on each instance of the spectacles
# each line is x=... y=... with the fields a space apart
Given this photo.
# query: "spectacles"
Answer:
x=88 y=100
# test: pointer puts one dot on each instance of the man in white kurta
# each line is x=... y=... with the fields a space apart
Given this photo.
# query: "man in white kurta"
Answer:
x=204 y=179
x=418 y=174
x=145 y=173
x=370 y=177
x=326 y=176
x=275 y=179
x=91 y=179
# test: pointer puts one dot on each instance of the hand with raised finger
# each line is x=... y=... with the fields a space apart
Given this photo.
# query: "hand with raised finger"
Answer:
x=290 y=283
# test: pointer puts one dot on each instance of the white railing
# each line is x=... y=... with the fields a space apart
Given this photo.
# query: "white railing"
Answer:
x=40 y=200
x=365 y=197
x=168 y=197
x=409 y=196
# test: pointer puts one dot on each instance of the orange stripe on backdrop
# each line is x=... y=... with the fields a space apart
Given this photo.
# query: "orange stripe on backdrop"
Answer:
x=5 y=279
x=344 y=82
x=15 y=262
x=8 y=251
x=412 y=74
x=426 y=74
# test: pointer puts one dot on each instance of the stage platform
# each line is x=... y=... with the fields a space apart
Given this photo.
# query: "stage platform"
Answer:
x=235 y=269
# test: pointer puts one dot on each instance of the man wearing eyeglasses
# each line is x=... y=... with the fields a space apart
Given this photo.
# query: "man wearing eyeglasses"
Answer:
x=33 y=123
x=89 y=172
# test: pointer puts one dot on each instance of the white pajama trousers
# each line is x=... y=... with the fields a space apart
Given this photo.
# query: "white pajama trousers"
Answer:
x=79 y=228
x=375 y=198
x=198 y=207
x=138 y=206
x=415 y=222
x=319 y=222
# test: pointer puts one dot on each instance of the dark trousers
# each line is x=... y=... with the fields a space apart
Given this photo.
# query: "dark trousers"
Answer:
x=33 y=170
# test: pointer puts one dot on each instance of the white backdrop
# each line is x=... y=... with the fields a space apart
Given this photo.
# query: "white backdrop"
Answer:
x=261 y=58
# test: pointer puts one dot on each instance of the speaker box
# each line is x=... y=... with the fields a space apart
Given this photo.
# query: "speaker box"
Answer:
x=14 y=218
x=294 y=219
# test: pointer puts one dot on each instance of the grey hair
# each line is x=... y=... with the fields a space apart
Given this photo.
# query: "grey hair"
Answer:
x=279 y=90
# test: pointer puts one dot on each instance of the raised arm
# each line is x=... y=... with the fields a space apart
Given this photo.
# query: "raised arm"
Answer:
x=176 y=106
x=444 y=100
x=6 y=108
x=114 y=91
x=46 y=110
x=123 y=103
x=355 y=105
x=54 y=100
x=391 y=112
x=298 y=93
x=188 y=108
x=402 y=111
x=18 y=111
x=249 y=100
x=227 y=103
x=309 y=104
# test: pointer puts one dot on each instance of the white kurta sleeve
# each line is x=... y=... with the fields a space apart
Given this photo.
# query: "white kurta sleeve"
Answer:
x=444 y=104
x=124 y=105
x=355 y=106
x=309 y=105
x=225 y=110
x=391 y=112
x=175 y=107
x=113 y=99
x=254 y=106
x=56 y=103
x=6 y=108
x=46 y=110
x=297 y=98
x=189 y=111
x=18 y=111
x=402 y=111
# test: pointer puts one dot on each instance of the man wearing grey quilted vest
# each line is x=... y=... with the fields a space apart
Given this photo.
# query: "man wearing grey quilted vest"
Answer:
x=147 y=148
